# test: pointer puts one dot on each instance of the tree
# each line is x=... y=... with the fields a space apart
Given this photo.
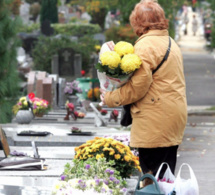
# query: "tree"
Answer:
x=49 y=11
x=9 y=79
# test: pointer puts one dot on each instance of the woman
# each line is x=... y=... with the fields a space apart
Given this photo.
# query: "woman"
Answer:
x=159 y=106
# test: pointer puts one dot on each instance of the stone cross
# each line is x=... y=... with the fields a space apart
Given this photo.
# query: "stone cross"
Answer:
x=66 y=55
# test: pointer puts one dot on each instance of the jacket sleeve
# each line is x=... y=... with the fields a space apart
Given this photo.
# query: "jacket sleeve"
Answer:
x=137 y=87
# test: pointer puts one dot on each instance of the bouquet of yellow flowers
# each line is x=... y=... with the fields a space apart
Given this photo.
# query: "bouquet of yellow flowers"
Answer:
x=125 y=161
x=116 y=67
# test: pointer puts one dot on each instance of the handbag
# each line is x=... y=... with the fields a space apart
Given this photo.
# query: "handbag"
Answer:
x=166 y=184
x=152 y=189
x=22 y=163
x=126 y=118
x=186 y=186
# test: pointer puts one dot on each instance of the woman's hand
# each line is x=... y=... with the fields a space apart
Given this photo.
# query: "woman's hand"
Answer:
x=111 y=45
x=102 y=96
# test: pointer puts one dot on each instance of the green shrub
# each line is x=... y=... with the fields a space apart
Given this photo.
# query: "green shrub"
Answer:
x=29 y=28
x=76 y=29
x=121 y=33
x=71 y=29
x=46 y=47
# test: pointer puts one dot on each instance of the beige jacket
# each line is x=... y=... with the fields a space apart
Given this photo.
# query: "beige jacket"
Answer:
x=159 y=106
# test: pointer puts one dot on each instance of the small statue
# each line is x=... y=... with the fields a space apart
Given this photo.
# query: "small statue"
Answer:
x=70 y=111
x=114 y=115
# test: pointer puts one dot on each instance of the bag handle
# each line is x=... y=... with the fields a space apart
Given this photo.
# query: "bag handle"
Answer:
x=165 y=57
x=152 y=178
x=192 y=175
x=159 y=170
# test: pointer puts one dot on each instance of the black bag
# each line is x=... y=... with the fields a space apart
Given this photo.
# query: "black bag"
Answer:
x=126 y=118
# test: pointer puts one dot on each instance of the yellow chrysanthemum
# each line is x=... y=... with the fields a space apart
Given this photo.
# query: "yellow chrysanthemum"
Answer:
x=130 y=63
x=117 y=156
x=123 y=48
x=98 y=156
x=22 y=99
x=112 y=152
x=127 y=158
x=136 y=162
x=110 y=59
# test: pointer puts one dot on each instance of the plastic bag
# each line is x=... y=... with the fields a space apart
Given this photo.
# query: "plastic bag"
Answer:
x=166 y=184
x=186 y=186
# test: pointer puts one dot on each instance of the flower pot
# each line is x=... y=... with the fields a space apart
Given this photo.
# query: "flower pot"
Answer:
x=73 y=99
x=39 y=114
x=24 y=116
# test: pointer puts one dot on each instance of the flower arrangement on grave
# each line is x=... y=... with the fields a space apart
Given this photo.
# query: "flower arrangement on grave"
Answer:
x=114 y=115
x=70 y=110
x=91 y=176
x=96 y=93
x=39 y=106
x=72 y=88
x=103 y=112
x=116 y=67
x=125 y=161
x=79 y=114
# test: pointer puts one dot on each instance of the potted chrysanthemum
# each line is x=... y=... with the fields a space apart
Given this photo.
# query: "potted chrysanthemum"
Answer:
x=125 y=161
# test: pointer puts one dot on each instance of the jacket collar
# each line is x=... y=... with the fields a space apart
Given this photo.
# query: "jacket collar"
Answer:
x=154 y=33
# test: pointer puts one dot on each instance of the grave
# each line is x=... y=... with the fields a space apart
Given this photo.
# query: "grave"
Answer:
x=39 y=83
x=61 y=98
x=31 y=82
x=55 y=90
x=67 y=64
x=48 y=90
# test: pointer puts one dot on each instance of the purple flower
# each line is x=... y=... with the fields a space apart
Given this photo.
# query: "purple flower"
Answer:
x=112 y=178
x=87 y=166
x=124 y=189
x=111 y=172
x=97 y=181
x=106 y=182
x=103 y=190
x=111 y=191
x=107 y=171
x=79 y=181
x=116 y=181
x=63 y=177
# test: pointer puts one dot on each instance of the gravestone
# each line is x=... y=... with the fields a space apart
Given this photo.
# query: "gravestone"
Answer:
x=55 y=64
x=77 y=65
x=31 y=82
x=55 y=89
x=48 y=90
x=39 y=83
x=66 y=62
x=61 y=94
